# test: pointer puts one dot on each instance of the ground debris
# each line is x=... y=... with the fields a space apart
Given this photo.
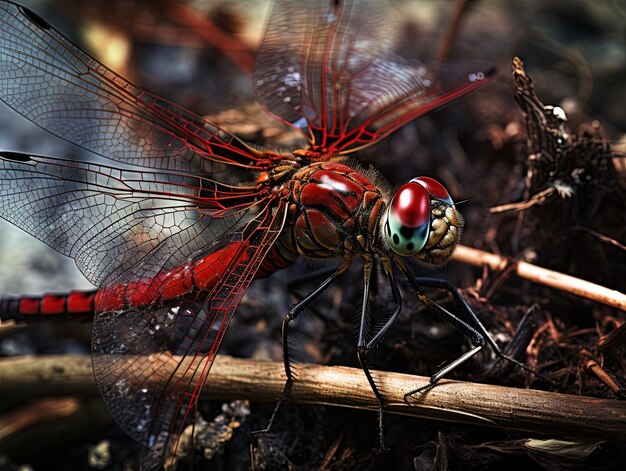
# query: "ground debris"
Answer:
x=571 y=198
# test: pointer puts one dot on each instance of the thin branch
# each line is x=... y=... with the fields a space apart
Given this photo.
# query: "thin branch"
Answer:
x=538 y=198
x=460 y=7
x=543 y=276
x=227 y=43
x=535 y=411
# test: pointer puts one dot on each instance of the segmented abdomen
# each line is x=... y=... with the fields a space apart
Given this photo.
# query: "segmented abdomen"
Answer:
x=167 y=287
x=75 y=305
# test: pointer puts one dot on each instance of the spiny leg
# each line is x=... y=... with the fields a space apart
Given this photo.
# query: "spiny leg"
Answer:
x=475 y=321
x=364 y=346
x=292 y=315
x=304 y=280
x=476 y=338
x=295 y=285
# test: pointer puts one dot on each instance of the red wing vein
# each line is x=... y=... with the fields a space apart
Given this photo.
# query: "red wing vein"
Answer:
x=55 y=84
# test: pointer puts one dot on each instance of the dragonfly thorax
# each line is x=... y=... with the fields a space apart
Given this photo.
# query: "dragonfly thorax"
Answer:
x=334 y=210
x=422 y=221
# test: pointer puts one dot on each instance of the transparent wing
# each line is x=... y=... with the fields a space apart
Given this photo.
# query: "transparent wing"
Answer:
x=56 y=85
x=119 y=225
x=327 y=69
x=151 y=364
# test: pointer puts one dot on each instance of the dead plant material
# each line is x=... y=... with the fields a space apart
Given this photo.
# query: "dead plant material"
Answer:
x=455 y=401
x=572 y=196
x=543 y=276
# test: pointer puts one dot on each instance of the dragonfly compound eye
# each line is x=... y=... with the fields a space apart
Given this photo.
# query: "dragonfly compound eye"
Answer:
x=407 y=223
x=434 y=188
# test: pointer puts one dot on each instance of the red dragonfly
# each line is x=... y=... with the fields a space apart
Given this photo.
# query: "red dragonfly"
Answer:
x=175 y=235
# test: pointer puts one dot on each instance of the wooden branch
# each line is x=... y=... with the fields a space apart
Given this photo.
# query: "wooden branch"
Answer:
x=554 y=414
x=543 y=276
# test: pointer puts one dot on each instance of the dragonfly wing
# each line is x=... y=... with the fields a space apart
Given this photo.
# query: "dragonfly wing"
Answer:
x=328 y=69
x=151 y=364
x=119 y=225
x=56 y=85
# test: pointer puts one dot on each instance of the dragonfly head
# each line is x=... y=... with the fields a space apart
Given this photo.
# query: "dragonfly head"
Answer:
x=421 y=221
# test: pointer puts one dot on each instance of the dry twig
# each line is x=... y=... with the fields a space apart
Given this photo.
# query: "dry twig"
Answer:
x=543 y=276
x=518 y=409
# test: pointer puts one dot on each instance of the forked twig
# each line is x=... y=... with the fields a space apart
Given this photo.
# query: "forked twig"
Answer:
x=538 y=198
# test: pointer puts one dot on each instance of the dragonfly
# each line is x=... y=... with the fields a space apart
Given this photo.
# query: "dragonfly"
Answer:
x=182 y=215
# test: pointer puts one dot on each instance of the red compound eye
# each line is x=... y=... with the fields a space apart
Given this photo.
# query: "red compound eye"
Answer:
x=411 y=205
x=407 y=221
x=435 y=188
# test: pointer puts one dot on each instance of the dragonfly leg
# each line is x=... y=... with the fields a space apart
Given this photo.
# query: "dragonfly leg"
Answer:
x=478 y=338
x=292 y=315
x=295 y=286
x=364 y=346
x=471 y=315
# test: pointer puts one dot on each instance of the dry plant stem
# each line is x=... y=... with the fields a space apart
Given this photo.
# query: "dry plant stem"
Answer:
x=613 y=339
x=460 y=7
x=517 y=409
x=44 y=410
x=543 y=276
x=603 y=376
x=538 y=198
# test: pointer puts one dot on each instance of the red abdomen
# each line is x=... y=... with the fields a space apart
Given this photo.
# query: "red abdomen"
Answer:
x=166 y=287
x=75 y=305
